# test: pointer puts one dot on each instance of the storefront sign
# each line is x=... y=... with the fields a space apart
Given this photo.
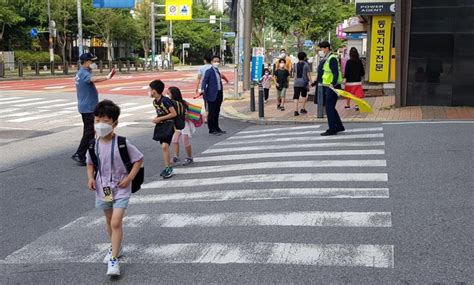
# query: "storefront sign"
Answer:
x=380 y=48
x=356 y=36
x=379 y=8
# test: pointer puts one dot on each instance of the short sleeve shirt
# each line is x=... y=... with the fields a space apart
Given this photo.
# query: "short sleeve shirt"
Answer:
x=282 y=77
x=163 y=106
x=202 y=70
x=111 y=175
x=87 y=95
x=302 y=81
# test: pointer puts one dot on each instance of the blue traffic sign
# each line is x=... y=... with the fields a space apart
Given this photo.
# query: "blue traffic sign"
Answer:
x=129 y=4
x=308 y=43
x=257 y=68
x=229 y=35
x=34 y=33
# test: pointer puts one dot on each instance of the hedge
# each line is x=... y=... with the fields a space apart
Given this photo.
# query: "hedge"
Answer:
x=31 y=57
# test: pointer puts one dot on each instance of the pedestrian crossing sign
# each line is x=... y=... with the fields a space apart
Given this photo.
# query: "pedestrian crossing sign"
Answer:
x=179 y=10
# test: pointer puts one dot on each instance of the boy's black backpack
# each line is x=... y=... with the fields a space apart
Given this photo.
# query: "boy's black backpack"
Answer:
x=122 y=146
x=179 y=121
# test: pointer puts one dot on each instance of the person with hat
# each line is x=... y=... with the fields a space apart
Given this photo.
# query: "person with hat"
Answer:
x=87 y=100
x=332 y=78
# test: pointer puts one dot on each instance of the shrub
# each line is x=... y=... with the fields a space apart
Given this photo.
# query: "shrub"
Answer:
x=175 y=60
x=31 y=57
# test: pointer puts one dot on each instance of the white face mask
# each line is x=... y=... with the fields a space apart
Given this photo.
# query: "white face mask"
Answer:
x=266 y=73
x=282 y=55
x=282 y=65
x=321 y=53
x=93 y=66
x=216 y=64
x=103 y=129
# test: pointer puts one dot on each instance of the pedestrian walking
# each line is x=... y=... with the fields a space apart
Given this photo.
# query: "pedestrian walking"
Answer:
x=301 y=84
x=280 y=77
x=332 y=78
x=213 y=88
x=164 y=123
x=288 y=63
x=184 y=134
x=266 y=81
x=201 y=71
x=353 y=77
x=87 y=99
x=109 y=178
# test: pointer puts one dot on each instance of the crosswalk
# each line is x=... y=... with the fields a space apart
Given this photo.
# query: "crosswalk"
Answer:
x=27 y=110
x=247 y=200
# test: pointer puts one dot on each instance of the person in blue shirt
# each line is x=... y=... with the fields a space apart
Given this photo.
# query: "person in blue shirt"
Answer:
x=87 y=100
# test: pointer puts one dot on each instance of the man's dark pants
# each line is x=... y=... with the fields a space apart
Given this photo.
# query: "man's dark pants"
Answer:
x=334 y=121
x=214 y=109
x=87 y=135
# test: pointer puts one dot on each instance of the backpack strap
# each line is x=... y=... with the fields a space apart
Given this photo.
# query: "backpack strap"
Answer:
x=122 y=146
x=93 y=154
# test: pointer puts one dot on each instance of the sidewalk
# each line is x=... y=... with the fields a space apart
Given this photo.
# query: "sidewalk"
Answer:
x=383 y=107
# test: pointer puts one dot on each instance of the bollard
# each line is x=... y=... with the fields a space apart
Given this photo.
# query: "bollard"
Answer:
x=101 y=66
x=20 y=68
x=136 y=66
x=261 y=104
x=120 y=66
x=65 y=68
x=111 y=65
x=252 y=97
x=51 y=66
x=2 y=69
x=37 y=68
x=320 y=94
x=144 y=66
x=78 y=64
x=128 y=65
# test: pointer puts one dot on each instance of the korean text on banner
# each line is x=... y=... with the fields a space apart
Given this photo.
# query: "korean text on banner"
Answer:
x=179 y=10
x=380 y=48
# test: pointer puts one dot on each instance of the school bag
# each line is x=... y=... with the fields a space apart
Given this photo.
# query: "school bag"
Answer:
x=122 y=146
x=179 y=120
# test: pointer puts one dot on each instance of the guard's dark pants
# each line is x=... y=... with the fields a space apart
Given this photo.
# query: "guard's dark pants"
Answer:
x=214 y=109
x=87 y=134
x=334 y=121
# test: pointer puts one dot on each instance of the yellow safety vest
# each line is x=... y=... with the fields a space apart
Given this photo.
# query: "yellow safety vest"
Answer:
x=327 y=74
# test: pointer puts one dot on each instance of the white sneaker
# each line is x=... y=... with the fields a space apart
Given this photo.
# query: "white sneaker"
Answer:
x=113 y=268
x=108 y=256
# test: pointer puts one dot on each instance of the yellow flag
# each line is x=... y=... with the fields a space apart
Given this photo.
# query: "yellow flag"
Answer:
x=364 y=107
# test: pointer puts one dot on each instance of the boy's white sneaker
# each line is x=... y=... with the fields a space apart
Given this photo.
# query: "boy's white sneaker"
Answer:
x=108 y=256
x=113 y=268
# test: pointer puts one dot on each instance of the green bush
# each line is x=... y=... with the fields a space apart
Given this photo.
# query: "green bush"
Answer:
x=31 y=57
x=175 y=60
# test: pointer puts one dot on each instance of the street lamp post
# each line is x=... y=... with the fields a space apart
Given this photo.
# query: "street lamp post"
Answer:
x=79 y=28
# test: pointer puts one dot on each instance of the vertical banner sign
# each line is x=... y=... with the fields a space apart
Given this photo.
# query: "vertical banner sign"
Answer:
x=179 y=10
x=380 y=48
x=258 y=55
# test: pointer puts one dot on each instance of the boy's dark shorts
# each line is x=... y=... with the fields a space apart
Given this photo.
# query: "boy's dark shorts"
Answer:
x=167 y=140
x=300 y=91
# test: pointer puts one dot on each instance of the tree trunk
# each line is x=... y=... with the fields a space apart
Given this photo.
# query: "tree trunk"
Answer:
x=2 y=31
x=145 y=48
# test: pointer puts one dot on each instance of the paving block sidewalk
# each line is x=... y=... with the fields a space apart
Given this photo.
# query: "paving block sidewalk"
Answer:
x=383 y=110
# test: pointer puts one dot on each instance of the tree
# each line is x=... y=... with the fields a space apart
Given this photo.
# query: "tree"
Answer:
x=143 y=22
x=9 y=16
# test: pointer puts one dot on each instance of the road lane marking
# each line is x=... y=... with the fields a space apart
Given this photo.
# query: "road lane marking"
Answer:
x=289 y=154
x=61 y=105
x=236 y=137
x=280 y=129
x=295 y=146
x=263 y=194
x=32 y=118
x=281 y=164
x=20 y=101
x=21 y=114
x=10 y=98
x=269 y=178
x=138 y=108
x=41 y=103
x=295 y=139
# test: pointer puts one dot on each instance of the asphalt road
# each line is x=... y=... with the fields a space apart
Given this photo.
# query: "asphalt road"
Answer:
x=379 y=204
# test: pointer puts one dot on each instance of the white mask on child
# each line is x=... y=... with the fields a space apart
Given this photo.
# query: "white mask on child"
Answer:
x=321 y=54
x=103 y=129
x=282 y=65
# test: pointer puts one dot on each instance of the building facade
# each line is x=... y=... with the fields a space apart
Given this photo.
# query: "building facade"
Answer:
x=435 y=39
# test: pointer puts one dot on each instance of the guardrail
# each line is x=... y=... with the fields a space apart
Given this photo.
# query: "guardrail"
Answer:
x=21 y=69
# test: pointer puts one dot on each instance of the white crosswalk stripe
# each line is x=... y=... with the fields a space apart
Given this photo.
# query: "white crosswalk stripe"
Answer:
x=230 y=187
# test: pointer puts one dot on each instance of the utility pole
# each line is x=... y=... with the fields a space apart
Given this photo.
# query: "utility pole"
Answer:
x=153 y=40
x=51 y=26
x=79 y=28
x=247 y=42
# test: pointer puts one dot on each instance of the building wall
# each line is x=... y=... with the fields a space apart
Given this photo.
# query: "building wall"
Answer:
x=441 y=53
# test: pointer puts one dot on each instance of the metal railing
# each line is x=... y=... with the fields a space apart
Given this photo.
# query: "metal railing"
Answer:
x=36 y=69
